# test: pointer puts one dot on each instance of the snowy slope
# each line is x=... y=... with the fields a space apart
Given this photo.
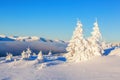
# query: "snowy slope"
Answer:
x=16 y=47
x=16 y=44
x=99 y=68
x=5 y=38
x=115 y=52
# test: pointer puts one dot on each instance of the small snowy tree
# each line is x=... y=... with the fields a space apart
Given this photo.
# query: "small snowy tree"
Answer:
x=50 y=53
x=28 y=52
x=9 y=57
x=40 y=56
x=43 y=65
x=24 y=55
x=34 y=54
x=15 y=62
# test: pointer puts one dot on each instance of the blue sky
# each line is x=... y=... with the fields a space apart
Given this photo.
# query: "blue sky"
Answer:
x=56 y=19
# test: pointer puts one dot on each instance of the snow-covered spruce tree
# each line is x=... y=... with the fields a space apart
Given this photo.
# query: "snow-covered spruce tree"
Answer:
x=40 y=56
x=50 y=53
x=76 y=47
x=28 y=52
x=24 y=55
x=9 y=57
x=34 y=54
x=96 y=41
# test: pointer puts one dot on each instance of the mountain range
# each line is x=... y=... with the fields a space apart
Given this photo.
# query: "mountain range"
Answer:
x=16 y=44
x=27 y=39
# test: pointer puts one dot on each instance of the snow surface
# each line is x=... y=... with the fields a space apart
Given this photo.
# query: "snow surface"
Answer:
x=56 y=68
x=116 y=51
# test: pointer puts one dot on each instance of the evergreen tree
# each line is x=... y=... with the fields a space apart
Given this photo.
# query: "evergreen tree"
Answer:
x=76 y=45
x=50 y=53
x=9 y=57
x=24 y=55
x=34 y=54
x=81 y=49
x=40 y=56
x=96 y=40
x=28 y=52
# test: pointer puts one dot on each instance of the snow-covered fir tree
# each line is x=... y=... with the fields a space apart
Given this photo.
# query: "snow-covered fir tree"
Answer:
x=9 y=57
x=96 y=40
x=50 y=53
x=34 y=54
x=43 y=65
x=40 y=56
x=76 y=47
x=75 y=39
x=24 y=55
x=28 y=52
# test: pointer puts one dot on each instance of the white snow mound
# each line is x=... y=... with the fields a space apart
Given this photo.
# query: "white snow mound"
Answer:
x=115 y=52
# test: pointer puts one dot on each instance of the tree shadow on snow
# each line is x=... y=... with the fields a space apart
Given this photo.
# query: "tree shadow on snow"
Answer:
x=56 y=61
x=7 y=78
x=52 y=58
x=61 y=59
x=107 y=51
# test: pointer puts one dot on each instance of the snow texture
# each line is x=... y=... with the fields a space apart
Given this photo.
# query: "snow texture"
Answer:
x=56 y=68
x=116 y=51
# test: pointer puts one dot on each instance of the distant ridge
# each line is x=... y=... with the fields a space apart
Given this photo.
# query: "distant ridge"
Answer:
x=27 y=39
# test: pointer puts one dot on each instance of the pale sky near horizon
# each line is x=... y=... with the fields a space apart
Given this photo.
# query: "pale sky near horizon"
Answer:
x=56 y=19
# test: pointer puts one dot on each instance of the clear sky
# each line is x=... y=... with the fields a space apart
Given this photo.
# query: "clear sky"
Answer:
x=56 y=19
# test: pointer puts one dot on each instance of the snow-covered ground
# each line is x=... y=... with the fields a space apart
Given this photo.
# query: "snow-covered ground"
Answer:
x=116 y=51
x=56 y=68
